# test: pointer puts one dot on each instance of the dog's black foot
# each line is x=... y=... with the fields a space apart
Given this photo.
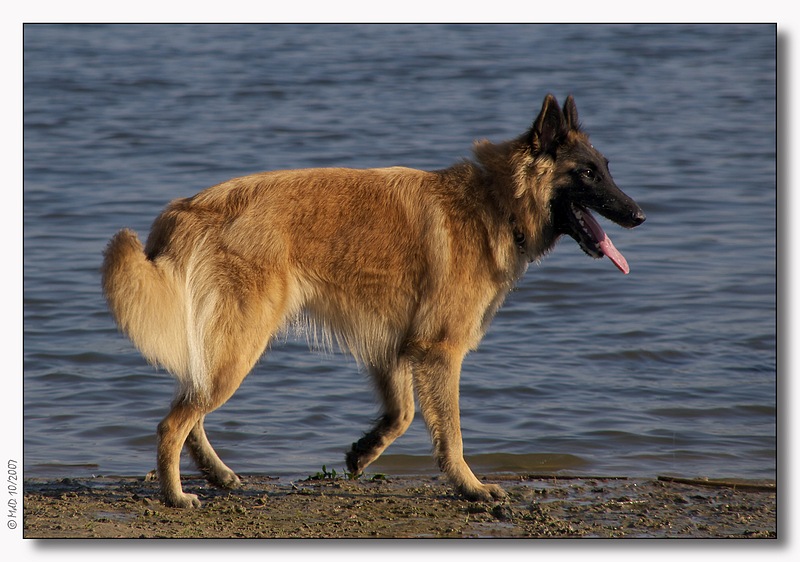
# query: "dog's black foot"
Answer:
x=352 y=459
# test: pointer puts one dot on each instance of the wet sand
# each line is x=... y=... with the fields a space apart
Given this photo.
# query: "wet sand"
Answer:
x=402 y=507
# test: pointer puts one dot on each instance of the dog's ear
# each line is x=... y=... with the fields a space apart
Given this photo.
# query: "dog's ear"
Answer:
x=571 y=114
x=549 y=128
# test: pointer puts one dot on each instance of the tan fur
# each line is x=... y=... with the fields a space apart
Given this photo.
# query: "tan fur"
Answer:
x=403 y=268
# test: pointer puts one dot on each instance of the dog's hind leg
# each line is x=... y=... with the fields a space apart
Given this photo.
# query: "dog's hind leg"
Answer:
x=239 y=341
x=207 y=460
x=436 y=381
x=183 y=424
x=172 y=433
x=396 y=390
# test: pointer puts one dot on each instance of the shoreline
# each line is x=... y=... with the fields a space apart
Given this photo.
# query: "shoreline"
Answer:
x=422 y=506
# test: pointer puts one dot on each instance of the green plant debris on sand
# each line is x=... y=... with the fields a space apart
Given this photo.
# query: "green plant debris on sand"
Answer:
x=334 y=506
x=326 y=474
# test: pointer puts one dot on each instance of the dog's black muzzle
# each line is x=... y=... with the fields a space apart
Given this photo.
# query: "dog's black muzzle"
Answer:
x=610 y=202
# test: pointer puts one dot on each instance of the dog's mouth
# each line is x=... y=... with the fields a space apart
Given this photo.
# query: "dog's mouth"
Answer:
x=592 y=239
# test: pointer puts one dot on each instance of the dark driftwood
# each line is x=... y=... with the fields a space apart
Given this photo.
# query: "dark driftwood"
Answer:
x=750 y=486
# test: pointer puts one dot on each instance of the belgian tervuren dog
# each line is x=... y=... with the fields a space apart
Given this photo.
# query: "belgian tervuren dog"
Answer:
x=404 y=268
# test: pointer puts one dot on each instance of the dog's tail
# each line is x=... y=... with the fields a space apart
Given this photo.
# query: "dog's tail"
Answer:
x=148 y=303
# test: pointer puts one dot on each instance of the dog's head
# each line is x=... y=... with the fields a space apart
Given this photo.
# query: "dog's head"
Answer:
x=580 y=182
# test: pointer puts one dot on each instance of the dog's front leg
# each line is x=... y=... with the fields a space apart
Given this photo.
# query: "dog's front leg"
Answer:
x=395 y=387
x=436 y=381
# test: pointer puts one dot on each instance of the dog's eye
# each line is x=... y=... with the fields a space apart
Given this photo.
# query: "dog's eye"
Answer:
x=588 y=174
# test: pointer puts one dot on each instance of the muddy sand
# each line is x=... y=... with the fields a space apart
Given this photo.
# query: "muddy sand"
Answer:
x=402 y=507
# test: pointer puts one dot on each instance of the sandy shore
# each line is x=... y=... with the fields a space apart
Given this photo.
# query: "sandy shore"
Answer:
x=395 y=507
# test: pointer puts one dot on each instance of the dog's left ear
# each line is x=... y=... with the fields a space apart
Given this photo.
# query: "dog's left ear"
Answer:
x=549 y=128
x=571 y=114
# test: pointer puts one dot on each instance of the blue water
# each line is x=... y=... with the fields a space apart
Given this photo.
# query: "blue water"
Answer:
x=670 y=370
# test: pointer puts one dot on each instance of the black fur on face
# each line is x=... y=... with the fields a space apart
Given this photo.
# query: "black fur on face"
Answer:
x=582 y=179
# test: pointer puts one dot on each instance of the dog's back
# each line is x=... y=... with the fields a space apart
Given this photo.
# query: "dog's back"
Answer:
x=366 y=255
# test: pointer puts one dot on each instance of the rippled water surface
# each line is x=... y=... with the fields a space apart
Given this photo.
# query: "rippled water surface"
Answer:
x=671 y=369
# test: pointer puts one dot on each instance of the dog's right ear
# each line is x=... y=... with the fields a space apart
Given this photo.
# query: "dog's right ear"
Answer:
x=549 y=128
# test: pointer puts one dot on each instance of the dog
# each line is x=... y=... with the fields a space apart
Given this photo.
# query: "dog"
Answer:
x=403 y=268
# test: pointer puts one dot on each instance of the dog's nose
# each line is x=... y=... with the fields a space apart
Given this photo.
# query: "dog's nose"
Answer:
x=638 y=217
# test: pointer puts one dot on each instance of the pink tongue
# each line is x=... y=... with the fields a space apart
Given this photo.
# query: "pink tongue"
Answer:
x=605 y=243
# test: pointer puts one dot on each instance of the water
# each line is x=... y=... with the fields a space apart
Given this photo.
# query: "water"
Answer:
x=671 y=369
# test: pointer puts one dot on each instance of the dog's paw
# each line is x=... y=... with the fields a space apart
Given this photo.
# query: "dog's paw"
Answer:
x=230 y=482
x=485 y=492
x=182 y=501
x=353 y=461
x=225 y=480
x=496 y=491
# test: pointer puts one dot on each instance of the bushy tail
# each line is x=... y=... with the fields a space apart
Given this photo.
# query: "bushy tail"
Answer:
x=147 y=301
